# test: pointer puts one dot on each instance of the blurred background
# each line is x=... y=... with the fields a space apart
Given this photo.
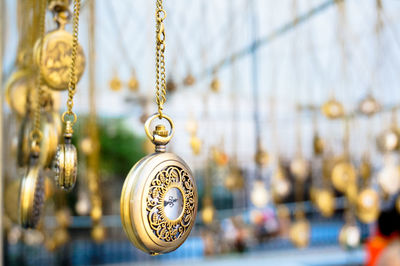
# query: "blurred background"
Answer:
x=286 y=112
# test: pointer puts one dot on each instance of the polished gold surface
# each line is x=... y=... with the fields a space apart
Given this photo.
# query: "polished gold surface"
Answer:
x=31 y=197
x=65 y=166
x=343 y=174
x=144 y=203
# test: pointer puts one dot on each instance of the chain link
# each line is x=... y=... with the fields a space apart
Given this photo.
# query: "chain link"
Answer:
x=36 y=134
x=72 y=75
x=161 y=87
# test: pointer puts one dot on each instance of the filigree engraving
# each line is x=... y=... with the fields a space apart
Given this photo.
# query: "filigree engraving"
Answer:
x=164 y=228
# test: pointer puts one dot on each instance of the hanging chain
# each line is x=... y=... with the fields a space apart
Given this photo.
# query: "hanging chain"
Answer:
x=160 y=59
x=72 y=73
x=36 y=134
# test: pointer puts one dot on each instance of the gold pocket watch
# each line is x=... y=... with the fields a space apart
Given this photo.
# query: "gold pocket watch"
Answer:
x=343 y=174
x=159 y=197
x=300 y=233
x=50 y=127
x=57 y=50
x=369 y=105
x=325 y=201
x=17 y=89
x=349 y=236
x=31 y=197
x=300 y=168
x=367 y=205
x=332 y=109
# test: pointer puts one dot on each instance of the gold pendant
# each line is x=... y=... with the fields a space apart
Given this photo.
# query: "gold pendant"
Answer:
x=159 y=197
x=325 y=201
x=31 y=196
x=55 y=61
x=300 y=168
x=369 y=105
x=65 y=165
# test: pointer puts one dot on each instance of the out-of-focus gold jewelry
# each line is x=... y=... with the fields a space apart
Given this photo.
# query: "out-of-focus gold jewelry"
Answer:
x=65 y=161
x=133 y=83
x=325 y=201
x=349 y=236
x=59 y=48
x=343 y=174
x=369 y=105
x=367 y=205
x=215 y=84
x=300 y=233
x=333 y=109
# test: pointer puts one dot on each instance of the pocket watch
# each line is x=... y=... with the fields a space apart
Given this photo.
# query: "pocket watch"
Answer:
x=300 y=168
x=325 y=201
x=349 y=236
x=65 y=164
x=343 y=174
x=31 y=197
x=55 y=59
x=367 y=205
x=17 y=89
x=50 y=127
x=333 y=109
x=300 y=233
x=369 y=105
x=159 y=197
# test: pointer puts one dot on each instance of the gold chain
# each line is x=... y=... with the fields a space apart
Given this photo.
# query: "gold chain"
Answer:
x=72 y=74
x=36 y=134
x=160 y=59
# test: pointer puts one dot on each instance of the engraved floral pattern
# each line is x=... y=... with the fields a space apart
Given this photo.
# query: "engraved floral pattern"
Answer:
x=163 y=228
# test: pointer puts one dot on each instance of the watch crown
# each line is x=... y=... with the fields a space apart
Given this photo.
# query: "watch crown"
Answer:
x=161 y=131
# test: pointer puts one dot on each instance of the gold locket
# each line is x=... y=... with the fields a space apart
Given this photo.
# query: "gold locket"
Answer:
x=55 y=61
x=31 y=197
x=159 y=197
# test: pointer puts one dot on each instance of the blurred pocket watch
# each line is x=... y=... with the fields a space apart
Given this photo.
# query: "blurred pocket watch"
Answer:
x=389 y=178
x=50 y=127
x=389 y=140
x=300 y=233
x=171 y=84
x=259 y=195
x=115 y=83
x=343 y=174
x=325 y=201
x=55 y=59
x=133 y=83
x=300 y=168
x=349 y=236
x=31 y=196
x=318 y=144
x=280 y=185
x=261 y=157
x=195 y=144
x=219 y=156
x=159 y=197
x=367 y=205
x=234 y=180
x=208 y=211
x=98 y=233
x=369 y=105
x=332 y=109
x=215 y=84
x=17 y=89
x=189 y=80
